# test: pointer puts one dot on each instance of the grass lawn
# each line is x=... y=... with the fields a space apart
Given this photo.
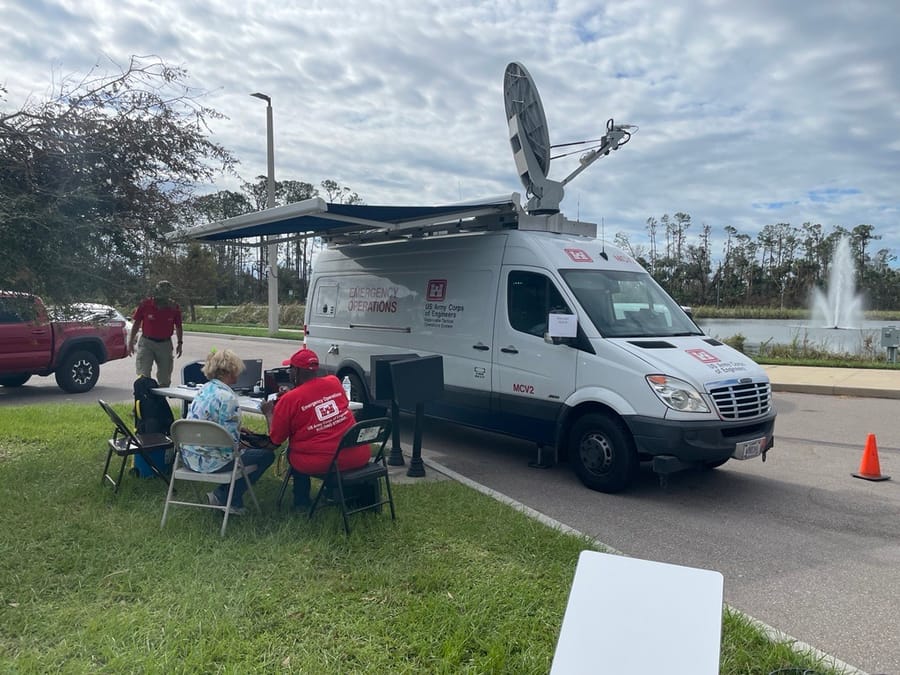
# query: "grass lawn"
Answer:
x=460 y=583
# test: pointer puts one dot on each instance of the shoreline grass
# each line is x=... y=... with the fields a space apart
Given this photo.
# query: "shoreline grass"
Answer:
x=460 y=583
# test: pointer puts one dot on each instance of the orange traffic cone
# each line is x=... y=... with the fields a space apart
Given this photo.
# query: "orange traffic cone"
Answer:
x=868 y=465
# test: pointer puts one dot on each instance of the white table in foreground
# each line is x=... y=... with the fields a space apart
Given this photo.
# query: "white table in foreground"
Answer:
x=246 y=403
x=627 y=616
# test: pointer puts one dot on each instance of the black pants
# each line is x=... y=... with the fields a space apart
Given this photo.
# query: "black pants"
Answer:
x=301 y=488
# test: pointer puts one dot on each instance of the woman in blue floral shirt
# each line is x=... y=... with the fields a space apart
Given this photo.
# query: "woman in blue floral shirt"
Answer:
x=217 y=402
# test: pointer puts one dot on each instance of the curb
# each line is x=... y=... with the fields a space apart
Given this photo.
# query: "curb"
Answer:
x=835 y=390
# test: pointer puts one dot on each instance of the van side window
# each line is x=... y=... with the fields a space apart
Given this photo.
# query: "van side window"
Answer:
x=530 y=297
x=326 y=299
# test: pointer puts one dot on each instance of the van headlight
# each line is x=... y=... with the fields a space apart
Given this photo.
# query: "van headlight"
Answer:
x=677 y=394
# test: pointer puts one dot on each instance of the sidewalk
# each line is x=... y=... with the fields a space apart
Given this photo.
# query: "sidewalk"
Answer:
x=861 y=382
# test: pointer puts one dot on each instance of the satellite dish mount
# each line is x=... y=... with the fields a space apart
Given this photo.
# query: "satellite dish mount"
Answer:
x=530 y=141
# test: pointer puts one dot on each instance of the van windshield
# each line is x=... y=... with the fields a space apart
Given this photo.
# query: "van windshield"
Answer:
x=628 y=304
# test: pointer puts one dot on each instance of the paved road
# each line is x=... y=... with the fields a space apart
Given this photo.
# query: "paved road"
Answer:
x=117 y=377
x=803 y=546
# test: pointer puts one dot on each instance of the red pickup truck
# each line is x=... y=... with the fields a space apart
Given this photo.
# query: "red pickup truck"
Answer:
x=33 y=344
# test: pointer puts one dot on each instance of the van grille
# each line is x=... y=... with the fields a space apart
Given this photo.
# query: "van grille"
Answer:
x=742 y=401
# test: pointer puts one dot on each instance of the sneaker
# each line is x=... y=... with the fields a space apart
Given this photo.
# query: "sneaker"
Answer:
x=213 y=500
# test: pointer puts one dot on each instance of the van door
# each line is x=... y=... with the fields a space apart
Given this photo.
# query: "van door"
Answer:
x=532 y=378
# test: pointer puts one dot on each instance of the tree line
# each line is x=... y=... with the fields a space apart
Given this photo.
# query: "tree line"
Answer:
x=779 y=267
x=95 y=176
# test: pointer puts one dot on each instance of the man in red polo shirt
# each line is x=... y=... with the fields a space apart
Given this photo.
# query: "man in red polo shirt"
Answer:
x=157 y=317
x=314 y=415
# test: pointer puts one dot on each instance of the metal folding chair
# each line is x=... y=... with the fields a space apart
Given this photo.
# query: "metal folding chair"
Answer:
x=125 y=443
x=336 y=484
x=209 y=434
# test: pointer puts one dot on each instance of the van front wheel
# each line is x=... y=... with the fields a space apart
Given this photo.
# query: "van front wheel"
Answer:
x=602 y=453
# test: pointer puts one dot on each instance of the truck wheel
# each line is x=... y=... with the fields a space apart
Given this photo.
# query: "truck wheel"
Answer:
x=14 y=380
x=78 y=372
x=357 y=389
x=602 y=453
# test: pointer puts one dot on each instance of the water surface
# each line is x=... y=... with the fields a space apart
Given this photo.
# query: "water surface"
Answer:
x=785 y=331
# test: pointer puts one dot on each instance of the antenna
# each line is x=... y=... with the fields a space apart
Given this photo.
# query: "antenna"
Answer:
x=603 y=238
x=530 y=141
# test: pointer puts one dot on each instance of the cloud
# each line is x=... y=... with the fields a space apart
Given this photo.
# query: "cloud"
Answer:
x=749 y=113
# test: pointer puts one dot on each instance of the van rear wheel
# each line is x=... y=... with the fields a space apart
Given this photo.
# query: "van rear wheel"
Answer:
x=602 y=453
x=357 y=389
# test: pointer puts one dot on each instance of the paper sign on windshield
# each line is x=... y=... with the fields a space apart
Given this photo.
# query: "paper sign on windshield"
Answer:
x=563 y=325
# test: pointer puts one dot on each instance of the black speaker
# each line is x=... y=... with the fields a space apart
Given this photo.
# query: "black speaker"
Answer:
x=417 y=380
x=379 y=367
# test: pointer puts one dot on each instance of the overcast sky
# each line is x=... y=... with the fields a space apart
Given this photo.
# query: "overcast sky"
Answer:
x=750 y=112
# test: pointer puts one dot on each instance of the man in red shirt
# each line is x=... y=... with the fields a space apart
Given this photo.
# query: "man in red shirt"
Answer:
x=314 y=415
x=157 y=317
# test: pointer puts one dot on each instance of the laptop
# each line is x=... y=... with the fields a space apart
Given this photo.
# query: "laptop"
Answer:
x=250 y=378
x=277 y=381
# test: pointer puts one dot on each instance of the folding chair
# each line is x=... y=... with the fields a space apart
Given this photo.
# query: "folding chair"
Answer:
x=125 y=443
x=210 y=434
x=374 y=431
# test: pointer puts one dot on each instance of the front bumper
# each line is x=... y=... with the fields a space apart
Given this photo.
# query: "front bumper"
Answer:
x=697 y=441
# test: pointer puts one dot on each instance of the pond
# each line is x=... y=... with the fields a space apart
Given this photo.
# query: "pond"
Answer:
x=866 y=339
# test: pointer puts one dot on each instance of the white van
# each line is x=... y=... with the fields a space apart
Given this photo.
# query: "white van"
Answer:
x=547 y=336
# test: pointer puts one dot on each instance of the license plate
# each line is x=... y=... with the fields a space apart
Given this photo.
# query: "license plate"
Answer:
x=749 y=449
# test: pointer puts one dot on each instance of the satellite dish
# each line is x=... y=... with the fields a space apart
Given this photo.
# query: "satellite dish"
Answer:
x=529 y=137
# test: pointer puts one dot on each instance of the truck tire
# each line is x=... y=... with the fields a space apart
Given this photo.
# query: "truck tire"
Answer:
x=14 y=380
x=357 y=389
x=78 y=372
x=602 y=453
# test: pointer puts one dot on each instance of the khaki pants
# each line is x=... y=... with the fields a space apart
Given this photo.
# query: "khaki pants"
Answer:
x=149 y=351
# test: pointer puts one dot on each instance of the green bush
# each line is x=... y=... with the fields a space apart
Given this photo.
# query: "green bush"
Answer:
x=290 y=316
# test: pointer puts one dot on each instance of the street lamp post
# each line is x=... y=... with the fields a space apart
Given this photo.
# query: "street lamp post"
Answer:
x=272 y=252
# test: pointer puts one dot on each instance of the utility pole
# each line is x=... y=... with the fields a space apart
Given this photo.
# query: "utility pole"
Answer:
x=272 y=247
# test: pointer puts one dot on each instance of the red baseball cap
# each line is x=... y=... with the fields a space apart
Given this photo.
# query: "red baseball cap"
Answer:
x=305 y=359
